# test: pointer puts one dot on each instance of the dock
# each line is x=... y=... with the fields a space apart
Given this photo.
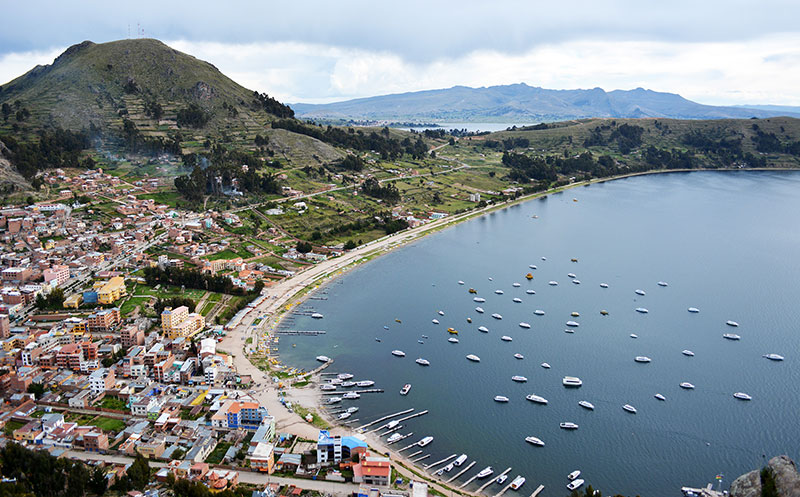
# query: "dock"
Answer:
x=396 y=428
x=537 y=491
x=387 y=417
x=492 y=480
x=462 y=471
x=415 y=453
x=405 y=436
x=500 y=493
x=408 y=447
x=299 y=332
x=421 y=458
x=440 y=461
x=421 y=413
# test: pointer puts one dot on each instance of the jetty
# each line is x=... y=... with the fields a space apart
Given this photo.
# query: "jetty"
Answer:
x=408 y=447
x=440 y=461
x=405 y=436
x=500 y=493
x=385 y=418
x=537 y=491
x=421 y=413
x=421 y=458
x=415 y=453
x=339 y=392
x=462 y=471
x=300 y=332
x=396 y=428
x=492 y=480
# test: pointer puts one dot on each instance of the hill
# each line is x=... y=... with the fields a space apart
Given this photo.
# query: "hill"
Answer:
x=523 y=104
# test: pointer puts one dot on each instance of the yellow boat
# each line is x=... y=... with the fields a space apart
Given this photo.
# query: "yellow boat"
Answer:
x=472 y=290
x=575 y=315
x=574 y=259
x=398 y=320
x=529 y=276
x=604 y=312
x=452 y=331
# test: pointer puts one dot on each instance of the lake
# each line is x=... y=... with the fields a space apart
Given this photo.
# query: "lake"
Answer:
x=725 y=242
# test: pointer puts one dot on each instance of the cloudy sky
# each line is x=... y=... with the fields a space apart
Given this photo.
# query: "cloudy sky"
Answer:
x=715 y=52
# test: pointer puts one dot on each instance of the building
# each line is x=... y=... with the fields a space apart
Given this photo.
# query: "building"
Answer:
x=263 y=458
x=334 y=449
x=5 y=326
x=56 y=275
x=70 y=356
x=103 y=321
x=101 y=380
x=372 y=470
x=111 y=291
x=179 y=322
x=131 y=335
x=246 y=415
x=73 y=301
x=95 y=441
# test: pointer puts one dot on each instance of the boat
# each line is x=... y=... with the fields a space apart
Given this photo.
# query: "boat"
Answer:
x=398 y=353
x=536 y=398
x=574 y=484
x=687 y=353
x=472 y=290
x=639 y=292
x=544 y=258
x=448 y=468
x=571 y=275
x=742 y=396
x=460 y=282
x=535 y=441
x=323 y=358
x=327 y=386
x=520 y=379
x=334 y=400
x=336 y=381
x=571 y=381
x=586 y=404
x=499 y=292
x=317 y=315
x=524 y=325
x=659 y=396
x=568 y=425
x=529 y=276
x=474 y=358
x=603 y=285
x=483 y=329
x=532 y=266
x=732 y=323
x=425 y=337
x=663 y=283
x=530 y=291
x=500 y=398
x=397 y=321
x=545 y=365
x=344 y=376
x=517 y=483
x=539 y=312
x=634 y=335
x=479 y=309
x=519 y=356
x=774 y=357
x=687 y=385
x=423 y=362
x=552 y=283
x=469 y=320
x=460 y=460
x=452 y=340
x=629 y=408
x=517 y=300
x=420 y=341
x=479 y=299
x=344 y=415
x=516 y=285
x=506 y=338
x=575 y=314
x=694 y=310
x=604 y=312
x=731 y=336
x=435 y=321
x=351 y=395
x=348 y=384
x=441 y=313
x=497 y=316
x=577 y=282
x=573 y=475
x=574 y=324
x=391 y=424
x=642 y=358
x=351 y=410
x=385 y=327
x=501 y=479
x=642 y=310
x=485 y=472
x=394 y=437
x=425 y=441
x=491 y=279
x=365 y=383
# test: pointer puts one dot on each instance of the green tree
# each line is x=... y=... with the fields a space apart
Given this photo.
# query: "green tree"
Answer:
x=36 y=389
x=304 y=247
x=139 y=472
x=98 y=483
x=350 y=245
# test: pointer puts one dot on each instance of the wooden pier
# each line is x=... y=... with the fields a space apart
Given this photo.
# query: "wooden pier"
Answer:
x=403 y=437
x=299 y=332
x=462 y=471
x=340 y=392
x=440 y=461
x=385 y=418
x=537 y=491
x=421 y=458
x=500 y=493
x=408 y=447
x=415 y=453
x=492 y=480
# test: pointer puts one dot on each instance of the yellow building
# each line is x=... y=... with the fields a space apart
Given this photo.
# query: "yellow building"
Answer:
x=73 y=301
x=111 y=291
x=179 y=322
x=76 y=326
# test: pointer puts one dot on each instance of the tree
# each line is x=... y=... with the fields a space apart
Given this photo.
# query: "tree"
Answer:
x=98 y=483
x=350 y=245
x=304 y=247
x=139 y=472
x=37 y=389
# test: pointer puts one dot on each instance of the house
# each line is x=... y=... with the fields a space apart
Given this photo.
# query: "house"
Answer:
x=263 y=457
x=95 y=441
x=372 y=470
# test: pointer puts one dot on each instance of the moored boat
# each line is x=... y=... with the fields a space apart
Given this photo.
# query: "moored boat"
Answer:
x=506 y=338
x=517 y=482
x=452 y=340
x=485 y=472
x=659 y=396
x=516 y=285
x=479 y=299
x=524 y=325
x=642 y=310
x=323 y=358
x=573 y=324
x=687 y=353
x=460 y=282
x=519 y=356
x=517 y=300
x=642 y=358
x=394 y=437
x=731 y=336
x=552 y=283
x=568 y=425
x=483 y=329
x=425 y=441
x=571 y=275
x=317 y=315
x=586 y=405
x=742 y=396
x=634 y=335
x=497 y=316
x=343 y=415
x=536 y=398
x=530 y=291
x=663 y=283
x=334 y=400
x=539 y=312
x=639 y=292
x=479 y=310
x=545 y=365
x=398 y=353
x=473 y=358
x=774 y=357
x=327 y=386
x=452 y=331
x=435 y=321
x=603 y=285
x=423 y=362
x=571 y=381
x=365 y=383
x=472 y=290
x=351 y=395
x=441 y=313
x=500 y=398
x=535 y=441
x=460 y=460
x=519 y=379
x=574 y=484
x=499 y=292
x=732 y=323
x=574 y=475
x=686 y=385
x=629 y=408
x=694 y=310
x=501 y=479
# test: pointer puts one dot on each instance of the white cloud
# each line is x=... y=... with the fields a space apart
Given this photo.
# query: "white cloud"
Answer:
x=16 y=64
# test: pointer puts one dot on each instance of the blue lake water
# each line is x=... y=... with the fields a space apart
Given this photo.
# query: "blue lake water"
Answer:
x=726 y=242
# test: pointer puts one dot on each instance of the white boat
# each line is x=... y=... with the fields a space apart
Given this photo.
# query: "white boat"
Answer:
x=731 y=336
x=639 y=292
x=603 y=285
x=448 y=468
x=335 y=381
x=687 y=385
x=568 y=425
x=394 y=437
x=530 y=291
x=344 y=376
x=474 y=358
x=571 y=275
x=441 y=313
x=642 y=358
x=659 y=396
x=398 y=353
x=348 y=384
x=536 y=398
x=774 y=357
x=501 y=479
x=483 y=329
x=524 y=325
x=327 y=386
x=344 y=415
x=351 y=410
x=365 y=383
x=479 y=299
x=323 y=358
x=586 y=404
x=506 y=338
x=544 y=258
x=629 y=408
x=574 y=484
x=694 y=310
x=425 y=441
x=452 y=340
x=520 y=379
x=634 y=335
x=517 y=300
x=571 y=381
x=577 y=282
x=423 y=362
x=497 y=316
x=687 y=353
x=517 y=482
x=460 y=460
x=405 y=389
x=435 y=321
x=732 y=323
x=499 y=292
x=516 y=285
x=532 y=266
x=519 y=356
x=500 y=398
x=539 y=312
x=392 y=424
x=479 y=309
x=569 y=330
x=535 y=441
x=317 y=315
x=460 y=282
x=334 y=400
x=420 y=341
x=552 y=283
x=545 y=365
x=351 y=395
x=642 y=310
x=742 y=396
x=574 y=324
x=663 y=283
x=573 y=475
x=485 y=472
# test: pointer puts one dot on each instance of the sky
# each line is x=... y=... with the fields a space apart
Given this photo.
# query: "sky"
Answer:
x=715 y=52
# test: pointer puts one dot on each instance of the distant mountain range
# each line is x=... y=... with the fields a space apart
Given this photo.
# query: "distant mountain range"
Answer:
x=520 y=103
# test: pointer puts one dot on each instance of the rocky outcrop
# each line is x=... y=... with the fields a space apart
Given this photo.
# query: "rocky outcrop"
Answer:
x=784 y=472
